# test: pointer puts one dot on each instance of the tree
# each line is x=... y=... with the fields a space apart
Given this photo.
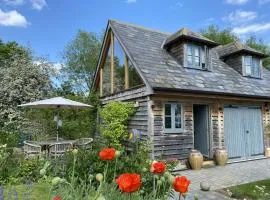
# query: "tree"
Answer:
x=222 y=37
x=81 y=56
x=260 y=45
x=21 y=80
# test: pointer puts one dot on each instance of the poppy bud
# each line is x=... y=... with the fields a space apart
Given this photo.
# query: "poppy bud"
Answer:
x=99 y=177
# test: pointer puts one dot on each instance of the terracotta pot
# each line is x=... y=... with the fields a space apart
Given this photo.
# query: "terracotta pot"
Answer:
x=267 y=152
x=195 y=159
x=221 y=156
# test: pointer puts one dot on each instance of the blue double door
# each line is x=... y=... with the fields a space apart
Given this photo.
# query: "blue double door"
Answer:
x=243 y=132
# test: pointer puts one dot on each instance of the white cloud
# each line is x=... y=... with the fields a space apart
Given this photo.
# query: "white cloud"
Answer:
x=253 y=28
x=236 y=2
x=12 y=18
x=179 y=4
x=38 y=4
x=262 y=2
x=131 y=1
x=240 y=17
x=14 y=2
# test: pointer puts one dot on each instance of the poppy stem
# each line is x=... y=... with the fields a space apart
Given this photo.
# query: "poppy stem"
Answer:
x=105 y=172
x=115 y=168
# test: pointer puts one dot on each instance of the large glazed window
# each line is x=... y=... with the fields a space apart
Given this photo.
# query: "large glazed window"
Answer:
x=119 y=65
x=252 y=66
x=107 y=74
x=117 y=74
x=173 y=118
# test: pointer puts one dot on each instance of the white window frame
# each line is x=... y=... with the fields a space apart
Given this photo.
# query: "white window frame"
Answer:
x=252 y=67
x=203 y=51
x=173 y=129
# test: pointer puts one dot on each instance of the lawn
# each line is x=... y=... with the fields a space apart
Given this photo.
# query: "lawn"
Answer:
x=255 y=190
x=22 y=192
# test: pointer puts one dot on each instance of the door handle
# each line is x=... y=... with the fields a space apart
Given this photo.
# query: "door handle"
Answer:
x=247 y=132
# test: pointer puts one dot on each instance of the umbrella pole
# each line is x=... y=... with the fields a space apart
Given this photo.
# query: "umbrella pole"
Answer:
x=57 y=124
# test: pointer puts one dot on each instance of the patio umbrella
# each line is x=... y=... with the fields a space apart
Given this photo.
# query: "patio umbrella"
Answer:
x=58 y=103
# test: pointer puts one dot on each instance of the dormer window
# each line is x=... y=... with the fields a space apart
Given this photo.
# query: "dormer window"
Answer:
x=196 y=56
x=252 y=66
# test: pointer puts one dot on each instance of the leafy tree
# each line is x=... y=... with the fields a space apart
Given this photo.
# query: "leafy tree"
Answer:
x=81 y=55
x=260 y=45
x=222 y=37
x=115 y=116
x=21 y=81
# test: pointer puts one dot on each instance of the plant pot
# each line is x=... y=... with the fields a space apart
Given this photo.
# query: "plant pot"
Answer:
x=221 y=157
x=267 y=152
x=195 y=159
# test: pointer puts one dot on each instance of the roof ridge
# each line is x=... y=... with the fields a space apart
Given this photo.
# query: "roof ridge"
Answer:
x=140 y=27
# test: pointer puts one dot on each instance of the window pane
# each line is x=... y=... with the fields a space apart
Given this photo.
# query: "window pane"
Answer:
x=248 y=60
x=189 y=52
x=197 y=61
x=167 y=109
x=256 y=67
x=168 y=122
x=196 y=51
x=203 y=54
x=107 y=74
x=189 y=59
x=178 y=116
x=134 y=78
x=119 y=59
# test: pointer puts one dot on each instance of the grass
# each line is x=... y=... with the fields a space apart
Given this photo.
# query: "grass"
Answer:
x=35 y=192
x=254 y=190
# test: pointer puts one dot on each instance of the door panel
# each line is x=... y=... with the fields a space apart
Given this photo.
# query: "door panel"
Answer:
x=243 y=131
x=201 y=138
x=234 y=133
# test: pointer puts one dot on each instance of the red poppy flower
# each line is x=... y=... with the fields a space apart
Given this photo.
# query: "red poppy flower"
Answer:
x=129 y=182
x=107 y=154
x=56 y=198
x=158 y=167
x=181 y=184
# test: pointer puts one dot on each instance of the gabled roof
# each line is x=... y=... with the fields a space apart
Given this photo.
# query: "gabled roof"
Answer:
x=237 y=47
x=162 y=71
x=186 y=34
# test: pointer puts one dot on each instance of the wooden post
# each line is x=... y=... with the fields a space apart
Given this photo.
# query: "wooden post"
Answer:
x=112 y=63
x=101 y=82
x=126 y=73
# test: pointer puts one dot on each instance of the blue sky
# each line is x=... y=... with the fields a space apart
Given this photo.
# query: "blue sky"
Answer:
x=48 y=25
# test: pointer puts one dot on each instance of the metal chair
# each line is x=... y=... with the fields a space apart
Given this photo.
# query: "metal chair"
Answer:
x=59 y=149
x=31 y=149
x=84 y=143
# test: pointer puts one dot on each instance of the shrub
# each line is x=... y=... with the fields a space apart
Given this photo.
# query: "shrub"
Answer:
x=114 y=117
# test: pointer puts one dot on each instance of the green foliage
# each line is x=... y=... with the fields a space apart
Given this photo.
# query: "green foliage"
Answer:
x=30 y=169
x=9 y=138
x=81 y=55
x=260 y=45
x=256 y=190
x=115 y=116
x=222 y=37
x=22 y=80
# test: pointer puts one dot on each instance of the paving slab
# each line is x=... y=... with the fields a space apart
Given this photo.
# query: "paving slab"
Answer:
x=222 y=177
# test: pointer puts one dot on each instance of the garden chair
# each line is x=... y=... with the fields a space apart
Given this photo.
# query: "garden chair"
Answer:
x=31 y=149
x=59 y=149
x=84 y=143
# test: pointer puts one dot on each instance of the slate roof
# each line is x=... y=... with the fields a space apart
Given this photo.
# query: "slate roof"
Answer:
x=162 y=71
x=237 y=47
x=185 y=33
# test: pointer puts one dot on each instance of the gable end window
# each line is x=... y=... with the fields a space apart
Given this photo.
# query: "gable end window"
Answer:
x=173 y=119
x=252 y=66
x=196 y=56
